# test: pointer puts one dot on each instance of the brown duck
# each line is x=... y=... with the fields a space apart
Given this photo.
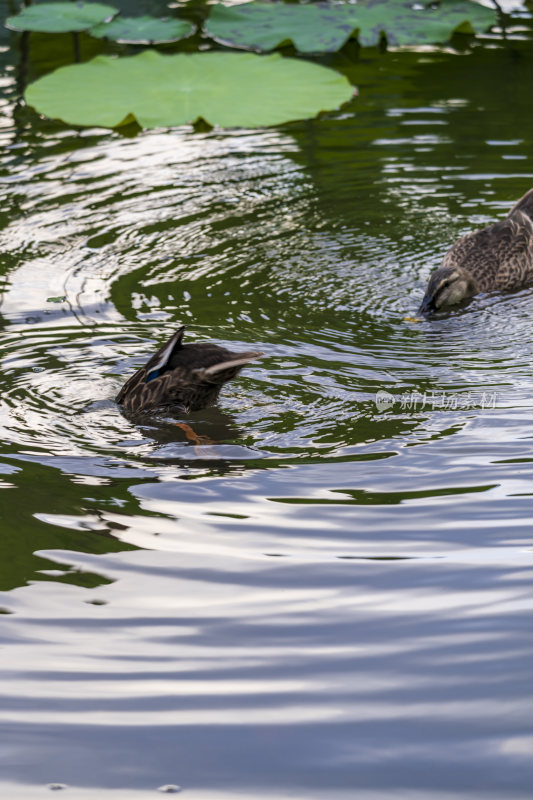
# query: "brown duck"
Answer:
x=497 y=258
x=189 y=376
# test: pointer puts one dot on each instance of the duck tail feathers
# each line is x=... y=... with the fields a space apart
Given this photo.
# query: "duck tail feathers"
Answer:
x=231 y=364
x=525 y=205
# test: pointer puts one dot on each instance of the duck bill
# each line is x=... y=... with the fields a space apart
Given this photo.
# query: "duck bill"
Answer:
x=427 y=305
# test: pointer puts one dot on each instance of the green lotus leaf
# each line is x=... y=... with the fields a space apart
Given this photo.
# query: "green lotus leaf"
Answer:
x=324 y=28
x=409 y=23
x=60 y=17
x=143 y=30
x=225 y=89
x=312 y=28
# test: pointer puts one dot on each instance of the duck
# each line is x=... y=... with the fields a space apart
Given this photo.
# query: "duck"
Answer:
x=496 y=258
x=187 y=376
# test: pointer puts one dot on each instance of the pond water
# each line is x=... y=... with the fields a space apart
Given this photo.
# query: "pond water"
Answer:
x=332 y=595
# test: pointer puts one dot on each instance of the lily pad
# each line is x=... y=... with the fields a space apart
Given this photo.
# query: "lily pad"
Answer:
x=324 y=28
x=411 y=23
x=225 y=89
x=143 y=30
x=60 y=17
x=312 y=28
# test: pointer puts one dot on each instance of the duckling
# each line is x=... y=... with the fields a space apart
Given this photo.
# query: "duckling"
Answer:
x=499 y=257
x=186 y=375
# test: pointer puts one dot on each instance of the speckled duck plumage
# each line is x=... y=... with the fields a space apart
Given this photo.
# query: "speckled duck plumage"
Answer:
x=497 y=258
x=189 y=376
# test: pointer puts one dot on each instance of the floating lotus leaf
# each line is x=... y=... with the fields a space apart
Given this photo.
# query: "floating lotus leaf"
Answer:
x=411 y=23
x=143 y=30
x=225 y=89
x=313 y=28
x=324 y=28
x=60 y=17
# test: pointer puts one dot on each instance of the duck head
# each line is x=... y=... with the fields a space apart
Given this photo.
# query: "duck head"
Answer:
x=447 y=287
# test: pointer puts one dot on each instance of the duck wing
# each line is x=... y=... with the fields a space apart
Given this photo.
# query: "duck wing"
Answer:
x=132 y=392
x=500 y=256
x=173 y=388
x=137 y=395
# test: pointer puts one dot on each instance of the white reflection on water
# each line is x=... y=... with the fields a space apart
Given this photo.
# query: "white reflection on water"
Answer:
x=205 y=661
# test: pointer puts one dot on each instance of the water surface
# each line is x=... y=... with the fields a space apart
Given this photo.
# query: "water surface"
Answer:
x=331 y=597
